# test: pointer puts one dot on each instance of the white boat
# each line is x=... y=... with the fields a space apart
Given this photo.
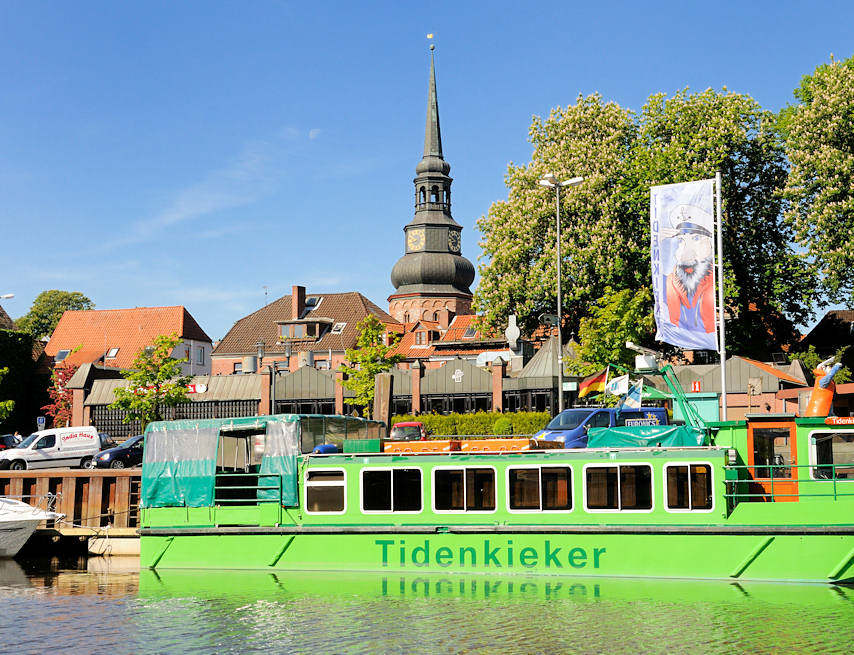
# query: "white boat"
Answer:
x=17 y=522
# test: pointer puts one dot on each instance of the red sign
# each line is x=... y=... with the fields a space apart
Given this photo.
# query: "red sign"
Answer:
x=695 y=386
x=839 y=420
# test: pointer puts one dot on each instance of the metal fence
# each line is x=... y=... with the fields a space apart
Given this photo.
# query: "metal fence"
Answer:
x=822 y=484
x=112 y=421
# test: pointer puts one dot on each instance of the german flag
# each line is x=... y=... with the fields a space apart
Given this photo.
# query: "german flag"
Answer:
x=593 y=383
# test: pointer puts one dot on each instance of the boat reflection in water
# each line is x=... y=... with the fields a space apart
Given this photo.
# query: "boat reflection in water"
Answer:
x=12 y=575
x=332 y=611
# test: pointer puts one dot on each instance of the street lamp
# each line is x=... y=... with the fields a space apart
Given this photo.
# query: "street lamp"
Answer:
x=259 y=347
x=550 y=181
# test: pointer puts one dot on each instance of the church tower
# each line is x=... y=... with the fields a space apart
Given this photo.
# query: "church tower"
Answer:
x=432 y=279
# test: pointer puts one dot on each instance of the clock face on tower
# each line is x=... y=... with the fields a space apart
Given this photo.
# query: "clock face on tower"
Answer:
x=453 y=240
x=415 y=239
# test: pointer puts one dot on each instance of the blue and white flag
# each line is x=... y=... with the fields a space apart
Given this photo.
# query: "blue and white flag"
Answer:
x=682 y=229
x=618 y=386
x=632 y=399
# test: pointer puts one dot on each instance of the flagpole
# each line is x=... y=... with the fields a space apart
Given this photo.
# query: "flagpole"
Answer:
x=722 y=328
x=605 y=390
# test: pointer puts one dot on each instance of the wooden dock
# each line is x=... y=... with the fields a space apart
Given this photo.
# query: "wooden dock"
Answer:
x=93 y=501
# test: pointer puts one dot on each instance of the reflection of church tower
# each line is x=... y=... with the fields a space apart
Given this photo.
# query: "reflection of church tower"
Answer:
x=432 y=279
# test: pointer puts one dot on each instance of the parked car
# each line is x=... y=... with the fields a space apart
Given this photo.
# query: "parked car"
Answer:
x=571 y=425
x=124 y=456
x=106 y=441
x=8 y=441
x=53 y=448
x=408 y=431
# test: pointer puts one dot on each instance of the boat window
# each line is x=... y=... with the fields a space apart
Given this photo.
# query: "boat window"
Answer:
x=625 y=487
x=540 y=489
x=834 y=448
x=324 y=491
x=689 y=486
x=391 y=490
x=464 y=489
x=772 y=453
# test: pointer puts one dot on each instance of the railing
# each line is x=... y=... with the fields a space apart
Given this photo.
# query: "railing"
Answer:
x=90 y=499
x=245 y=494
x=783 y=474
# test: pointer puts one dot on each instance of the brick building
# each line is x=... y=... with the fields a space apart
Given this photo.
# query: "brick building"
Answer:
x=294 y=331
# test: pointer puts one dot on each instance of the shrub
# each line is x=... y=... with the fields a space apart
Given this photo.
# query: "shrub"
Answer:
x=502 y=426
x=479 y=423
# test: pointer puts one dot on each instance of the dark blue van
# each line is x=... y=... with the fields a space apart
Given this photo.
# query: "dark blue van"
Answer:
x=571 y=425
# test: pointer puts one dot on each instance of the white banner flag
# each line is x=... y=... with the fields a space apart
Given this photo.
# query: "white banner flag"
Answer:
x=618 y=386
x=632 y=399
x=682 y=228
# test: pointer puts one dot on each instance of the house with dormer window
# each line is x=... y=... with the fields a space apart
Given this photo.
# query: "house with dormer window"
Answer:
x=302 y=329
x=111 y=338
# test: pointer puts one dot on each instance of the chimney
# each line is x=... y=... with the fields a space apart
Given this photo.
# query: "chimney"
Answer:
x=297 y=301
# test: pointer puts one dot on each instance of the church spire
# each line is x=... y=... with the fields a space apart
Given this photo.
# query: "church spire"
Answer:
x=432 y=133
x=432 y=279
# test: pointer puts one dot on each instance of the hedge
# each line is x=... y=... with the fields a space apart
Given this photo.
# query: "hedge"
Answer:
x=479 y=423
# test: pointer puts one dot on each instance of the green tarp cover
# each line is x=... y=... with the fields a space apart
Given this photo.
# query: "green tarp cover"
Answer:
x=280 y=463
x=178 y=466
x=646 y=436
x=179 y=462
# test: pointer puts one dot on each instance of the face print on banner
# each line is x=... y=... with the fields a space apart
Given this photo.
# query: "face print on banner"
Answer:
x=683 y=263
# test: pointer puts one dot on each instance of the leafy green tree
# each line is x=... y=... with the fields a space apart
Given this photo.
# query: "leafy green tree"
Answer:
x=155 y=382
x=619 y=316
x=6 y=406
x=605 y=220
x=810 y=359
x=602 y=242
x=48 y=308
x=691 y=136
x=369 y=357
x=820 y=146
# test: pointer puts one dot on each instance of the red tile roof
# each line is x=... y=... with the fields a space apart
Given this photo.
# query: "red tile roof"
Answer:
x=93 y=332
x=349 y=307
x=451 y=342
x=408 y=348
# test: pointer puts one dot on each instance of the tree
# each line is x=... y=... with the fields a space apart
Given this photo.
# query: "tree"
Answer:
x=369 y=357
x=820 y=146
x=619 y=316
x=59 y=409
x=48 y=308
x=605 y=220
x=810 y=359
x=691 y=136
x=155 y=382
x=6 y=406
x=602 y=242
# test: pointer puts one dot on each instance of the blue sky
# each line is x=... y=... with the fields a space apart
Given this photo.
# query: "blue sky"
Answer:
x=166 y=153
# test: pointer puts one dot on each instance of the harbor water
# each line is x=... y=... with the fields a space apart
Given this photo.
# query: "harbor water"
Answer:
x=108 y=606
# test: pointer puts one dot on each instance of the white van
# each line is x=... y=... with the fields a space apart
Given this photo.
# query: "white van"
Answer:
x=53 y=448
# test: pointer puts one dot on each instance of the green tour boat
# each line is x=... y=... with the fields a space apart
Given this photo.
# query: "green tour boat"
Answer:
x=770 y=497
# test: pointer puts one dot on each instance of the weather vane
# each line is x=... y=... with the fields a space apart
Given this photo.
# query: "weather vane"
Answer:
x=432 y=45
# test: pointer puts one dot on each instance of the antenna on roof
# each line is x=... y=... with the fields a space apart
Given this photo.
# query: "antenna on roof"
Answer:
x=266 y=288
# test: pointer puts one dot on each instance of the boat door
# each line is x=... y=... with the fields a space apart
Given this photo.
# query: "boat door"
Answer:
x=772 y=456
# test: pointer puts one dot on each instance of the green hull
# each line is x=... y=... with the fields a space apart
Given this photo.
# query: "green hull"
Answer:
x=772 y=557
